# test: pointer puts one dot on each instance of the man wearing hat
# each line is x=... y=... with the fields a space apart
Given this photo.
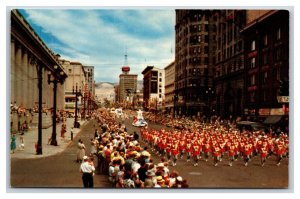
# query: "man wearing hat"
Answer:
x=87 y=171
x=160 y=182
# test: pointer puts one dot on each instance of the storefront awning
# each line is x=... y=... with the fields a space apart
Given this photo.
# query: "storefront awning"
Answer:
x=273 y=119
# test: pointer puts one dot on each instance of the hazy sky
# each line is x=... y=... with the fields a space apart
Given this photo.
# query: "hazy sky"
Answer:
x=101 y=37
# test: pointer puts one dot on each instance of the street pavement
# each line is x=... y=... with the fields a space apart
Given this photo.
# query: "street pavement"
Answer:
x=206 y=175
x=59 y=167
x=31 y=138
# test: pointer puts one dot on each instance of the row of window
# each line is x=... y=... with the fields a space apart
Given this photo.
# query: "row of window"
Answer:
x=265 y=77
x=266 y=57
x=278 y=37
x=265 y=95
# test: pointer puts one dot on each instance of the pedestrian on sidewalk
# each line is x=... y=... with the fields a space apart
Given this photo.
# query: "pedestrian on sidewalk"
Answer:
x=81 y=151
x=63 y=131
x=13 y=144
x=22 y=143
x=87 y=169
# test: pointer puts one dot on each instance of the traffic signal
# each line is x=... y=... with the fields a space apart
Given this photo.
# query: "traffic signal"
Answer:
x=283 y=88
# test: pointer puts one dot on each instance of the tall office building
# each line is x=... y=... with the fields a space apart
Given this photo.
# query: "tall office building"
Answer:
x=229 y=62
x=266 y=64
x=127 y=86
x=169 y=87
x=154 y=88
x=193 y=61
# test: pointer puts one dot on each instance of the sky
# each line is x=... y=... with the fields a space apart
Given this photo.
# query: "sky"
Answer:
x=101 y=38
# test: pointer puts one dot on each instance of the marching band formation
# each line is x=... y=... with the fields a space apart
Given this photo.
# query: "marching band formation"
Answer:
x=212 y=141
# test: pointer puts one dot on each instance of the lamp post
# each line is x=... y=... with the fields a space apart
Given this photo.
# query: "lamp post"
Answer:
x=39 y=149
x=54 y=81
x=76 y=92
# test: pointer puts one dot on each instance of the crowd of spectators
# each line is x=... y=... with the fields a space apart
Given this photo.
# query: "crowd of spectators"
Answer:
x=129 y=165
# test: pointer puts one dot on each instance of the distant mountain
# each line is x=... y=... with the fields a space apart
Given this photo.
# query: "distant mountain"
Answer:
x=105 y=90
x=104 y=84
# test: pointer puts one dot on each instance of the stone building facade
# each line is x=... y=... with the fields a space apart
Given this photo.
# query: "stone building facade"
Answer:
x=169 y=87
x=28 y=55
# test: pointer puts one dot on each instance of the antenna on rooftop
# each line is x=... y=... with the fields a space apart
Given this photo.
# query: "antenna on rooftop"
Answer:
x=126 y=60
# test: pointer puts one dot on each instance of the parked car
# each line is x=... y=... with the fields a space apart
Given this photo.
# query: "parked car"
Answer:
x=250 y=126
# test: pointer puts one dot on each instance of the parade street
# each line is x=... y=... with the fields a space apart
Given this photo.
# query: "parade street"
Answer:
x=62 y=170
x=206 y=175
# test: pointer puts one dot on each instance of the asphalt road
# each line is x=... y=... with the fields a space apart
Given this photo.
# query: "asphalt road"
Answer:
x=62 y=171
x=205 y=175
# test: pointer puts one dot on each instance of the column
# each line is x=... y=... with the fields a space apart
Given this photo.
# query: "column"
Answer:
x=34 y=84
x=44 y=88
x=18 y=85
x=30 y=83
x=12 y=70
x=24 y=75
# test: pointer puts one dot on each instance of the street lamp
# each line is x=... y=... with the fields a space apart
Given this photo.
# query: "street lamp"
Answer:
x=76 y=92
x=55 y=81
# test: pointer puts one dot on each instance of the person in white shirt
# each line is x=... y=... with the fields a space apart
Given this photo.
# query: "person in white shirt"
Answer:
x=87 y=169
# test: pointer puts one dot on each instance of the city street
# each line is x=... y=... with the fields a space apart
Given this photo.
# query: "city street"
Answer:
x=223 y=176
x=61 y=170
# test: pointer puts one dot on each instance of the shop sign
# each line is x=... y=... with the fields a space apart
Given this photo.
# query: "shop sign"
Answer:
x=276 y=111
x=264 y=111
x=283 y=99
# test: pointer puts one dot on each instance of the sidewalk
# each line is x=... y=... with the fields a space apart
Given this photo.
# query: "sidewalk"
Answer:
x=31 y=137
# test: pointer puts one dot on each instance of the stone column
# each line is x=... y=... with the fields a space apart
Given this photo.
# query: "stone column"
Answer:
x=45 y=94
x=12 y=70
x=34 y=84
x=17 y=74
x=24 y=75
x=30 y=83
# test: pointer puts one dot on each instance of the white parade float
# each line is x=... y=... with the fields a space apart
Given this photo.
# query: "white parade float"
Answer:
x=139 y=119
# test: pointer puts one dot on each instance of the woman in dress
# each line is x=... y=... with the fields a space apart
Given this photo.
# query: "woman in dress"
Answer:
x=13 y=144
x=81 y=151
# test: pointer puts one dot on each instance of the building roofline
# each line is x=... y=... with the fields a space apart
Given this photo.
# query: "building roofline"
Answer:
x=259 y=20
x=168 y=66
x=148 y=68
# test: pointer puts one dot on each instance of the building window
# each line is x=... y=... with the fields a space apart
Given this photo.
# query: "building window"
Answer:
x=278 y=34
x=160 y=74
x=160 y=79
x=160 y=90
x=253 y=62
x=265 y=77
x=278 y=54
x=252 y=96
x=265 y=96
x=277 y=73
x=265 y=58
x=199 y=38
x=253 y=45
x=70 y=70
x=252 y=80
x=265 y=40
